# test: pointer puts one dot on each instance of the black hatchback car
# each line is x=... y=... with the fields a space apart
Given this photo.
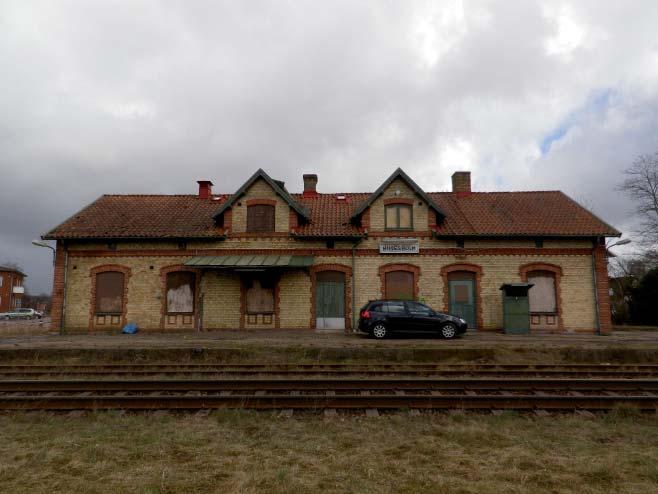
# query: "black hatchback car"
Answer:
x=380 y=318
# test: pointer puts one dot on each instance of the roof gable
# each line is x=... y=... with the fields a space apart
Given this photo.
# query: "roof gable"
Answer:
x=399 y=173
x=276 y=185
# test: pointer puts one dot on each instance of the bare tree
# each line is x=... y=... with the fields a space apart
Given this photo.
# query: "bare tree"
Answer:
x=641 y=185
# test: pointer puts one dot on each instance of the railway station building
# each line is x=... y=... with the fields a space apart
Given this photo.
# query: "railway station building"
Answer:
x=262 y=257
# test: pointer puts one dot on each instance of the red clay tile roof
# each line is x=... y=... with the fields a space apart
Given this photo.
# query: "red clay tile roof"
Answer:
x=517 y=213
x=142 y=216
x=548 y=213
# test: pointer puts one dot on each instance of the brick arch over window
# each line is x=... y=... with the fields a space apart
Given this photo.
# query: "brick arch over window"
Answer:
x=557 y=272
x=197 y=290
x=469 y=268
x=387 y=268
x=107 y=268
x=347 y=270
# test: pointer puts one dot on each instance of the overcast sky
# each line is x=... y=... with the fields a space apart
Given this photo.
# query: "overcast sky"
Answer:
x=148 y=97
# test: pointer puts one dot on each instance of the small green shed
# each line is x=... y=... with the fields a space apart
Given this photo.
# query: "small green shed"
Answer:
x=516 y=308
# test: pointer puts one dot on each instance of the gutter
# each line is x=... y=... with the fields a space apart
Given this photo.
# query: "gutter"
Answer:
x=354 y=246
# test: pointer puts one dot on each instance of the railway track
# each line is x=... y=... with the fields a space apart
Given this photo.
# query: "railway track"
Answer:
x=315 y=394
x=329 y=370
x=385 y=386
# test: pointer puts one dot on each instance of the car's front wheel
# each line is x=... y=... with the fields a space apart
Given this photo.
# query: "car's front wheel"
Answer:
x=449 y=331
x=379 y=331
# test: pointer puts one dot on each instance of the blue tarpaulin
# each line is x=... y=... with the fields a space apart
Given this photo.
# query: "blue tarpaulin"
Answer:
x=130 y=328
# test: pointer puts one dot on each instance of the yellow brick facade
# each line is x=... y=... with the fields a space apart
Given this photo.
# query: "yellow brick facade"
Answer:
x=222 y=293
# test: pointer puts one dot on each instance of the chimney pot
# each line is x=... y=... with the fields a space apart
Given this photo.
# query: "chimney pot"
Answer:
x=310 y=184
x=461 y=182
x=205 y=189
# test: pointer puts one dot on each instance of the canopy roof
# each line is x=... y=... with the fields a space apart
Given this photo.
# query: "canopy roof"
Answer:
x=250 y=262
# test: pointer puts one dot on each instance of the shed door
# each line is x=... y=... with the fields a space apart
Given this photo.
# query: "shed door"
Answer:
x=462 y=297
x=330 y=300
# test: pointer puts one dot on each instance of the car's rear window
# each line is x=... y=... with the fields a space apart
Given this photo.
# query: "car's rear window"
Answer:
x=377 y=307
x=395 y=307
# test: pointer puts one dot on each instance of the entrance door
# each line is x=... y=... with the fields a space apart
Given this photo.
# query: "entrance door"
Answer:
x=462 y=297
x=330 y=300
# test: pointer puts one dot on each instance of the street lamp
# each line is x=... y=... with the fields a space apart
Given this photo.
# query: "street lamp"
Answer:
x=609 y=253
x=39 y=243
x=625 y=241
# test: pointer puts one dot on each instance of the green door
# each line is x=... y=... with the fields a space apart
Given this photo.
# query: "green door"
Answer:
x=517 y=315
x=330 y=300
x=462 y=300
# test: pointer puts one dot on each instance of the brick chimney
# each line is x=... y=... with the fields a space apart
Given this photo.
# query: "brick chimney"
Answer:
x=205 y=189
x=461 y=182
x=310 y=184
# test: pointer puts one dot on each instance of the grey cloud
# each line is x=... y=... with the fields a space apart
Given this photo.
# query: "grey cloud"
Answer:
x=111 y=97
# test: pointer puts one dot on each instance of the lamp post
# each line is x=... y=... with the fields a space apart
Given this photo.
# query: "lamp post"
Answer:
x=609 y=253
x=625 y=241
x=39 y=243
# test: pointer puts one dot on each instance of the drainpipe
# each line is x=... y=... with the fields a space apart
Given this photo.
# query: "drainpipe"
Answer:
x=596 y=291
x=354 y=246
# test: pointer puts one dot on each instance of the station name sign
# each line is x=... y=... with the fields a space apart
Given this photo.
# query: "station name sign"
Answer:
x=399 y=246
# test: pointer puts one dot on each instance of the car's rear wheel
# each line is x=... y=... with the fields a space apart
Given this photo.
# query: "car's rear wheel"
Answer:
x=379 y=331
x=449 y=331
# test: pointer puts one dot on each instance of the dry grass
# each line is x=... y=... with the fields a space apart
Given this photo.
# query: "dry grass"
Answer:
x=258 y=452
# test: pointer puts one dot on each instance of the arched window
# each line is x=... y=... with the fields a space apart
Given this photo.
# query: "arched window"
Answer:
x=260 y=218
x=399 y=217
x=399 y=285
x=109 y=292
x=180 y=292
x=260 y=294
x=542 y=295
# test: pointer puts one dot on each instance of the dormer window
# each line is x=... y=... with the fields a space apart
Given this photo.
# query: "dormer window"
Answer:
x=399 y=217
x=260 y=218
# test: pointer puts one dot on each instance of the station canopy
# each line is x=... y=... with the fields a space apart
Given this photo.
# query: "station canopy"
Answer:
x=250 y=262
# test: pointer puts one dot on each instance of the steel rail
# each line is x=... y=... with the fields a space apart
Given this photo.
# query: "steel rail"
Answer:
x=336 y=372
x=317 y=402
x=294 y=366
x=164 y=385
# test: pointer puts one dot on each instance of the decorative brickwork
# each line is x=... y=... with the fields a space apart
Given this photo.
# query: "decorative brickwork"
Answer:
x=124 y=300
x=399 y=200
x=57 y=307
x=347 y=270
x=470 y=268
x=261 y=202
x=602 y=287
x=530 y=251
x=387 y=268
x=557 y=272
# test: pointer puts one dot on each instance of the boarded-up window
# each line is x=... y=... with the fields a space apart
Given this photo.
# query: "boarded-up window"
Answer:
x=542 y=295
x=260 y=295
x=400 y=285
x=180 y=292
x=109 y=293
x=260 y=218
x=399 y=217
